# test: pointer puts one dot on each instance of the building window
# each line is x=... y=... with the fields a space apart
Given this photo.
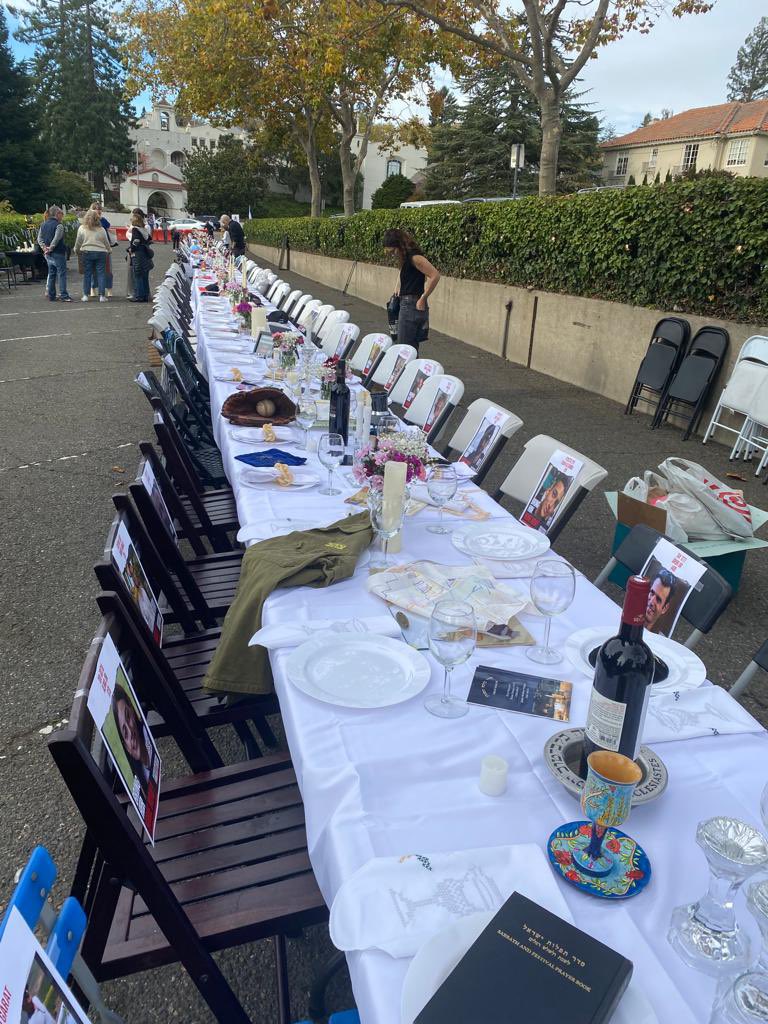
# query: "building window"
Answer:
x=165 y=121
x=394 y=167
x=622 y=162
x=690 y=156
x=212 y=143
x=155 y=177
x=177 y=158
x=654 y=157
x=737 y=153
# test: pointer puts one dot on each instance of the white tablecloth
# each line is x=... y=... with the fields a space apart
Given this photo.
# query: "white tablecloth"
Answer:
x=400 y=781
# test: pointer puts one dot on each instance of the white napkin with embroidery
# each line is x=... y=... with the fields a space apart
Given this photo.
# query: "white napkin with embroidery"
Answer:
x=397 y=903
x=705 y=711
x=290 y=634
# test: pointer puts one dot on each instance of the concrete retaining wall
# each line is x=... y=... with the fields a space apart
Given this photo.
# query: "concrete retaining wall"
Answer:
x=592 y=344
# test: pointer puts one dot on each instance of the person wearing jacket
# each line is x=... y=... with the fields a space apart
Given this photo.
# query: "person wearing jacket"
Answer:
x=50 y=238
x=93 y=243
x=109 y=275
x=140 y=255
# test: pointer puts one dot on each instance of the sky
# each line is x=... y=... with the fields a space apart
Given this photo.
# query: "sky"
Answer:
x=681 y=63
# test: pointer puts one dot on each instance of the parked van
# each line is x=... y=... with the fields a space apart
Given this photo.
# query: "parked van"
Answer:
x=432 y=202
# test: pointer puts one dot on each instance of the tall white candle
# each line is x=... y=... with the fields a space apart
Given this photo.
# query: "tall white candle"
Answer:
x=245 y=273
x=394 y=495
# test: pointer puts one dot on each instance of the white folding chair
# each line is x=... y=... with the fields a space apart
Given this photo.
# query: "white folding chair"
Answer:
x=521 y=480
x=289 y=301
x=279 y=293
x=305 y=318
x=396 y=358
x=759 y=661
x=412 y=377
x=468 y=427
x=273 y=288
x=361 y=358
x=300 y=304
x=443 y=384
x=336 y=316
x=754 y=431
x=339 y=339
x=323 y=312
x=748 y=376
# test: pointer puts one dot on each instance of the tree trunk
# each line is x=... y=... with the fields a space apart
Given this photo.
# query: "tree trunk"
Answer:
x=348 y=163
x=551 y=130
x=305 y=132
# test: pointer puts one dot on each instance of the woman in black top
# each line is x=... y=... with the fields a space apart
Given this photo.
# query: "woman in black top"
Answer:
x=418 y=279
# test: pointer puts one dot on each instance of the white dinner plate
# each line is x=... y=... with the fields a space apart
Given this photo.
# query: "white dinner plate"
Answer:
x=255 y=532
x=253 y=380
x=264 y=476
x=440 y=954
x=234 y=350
x=254 y=435
x=501 y=540
x=358 y=671
x=686 y=669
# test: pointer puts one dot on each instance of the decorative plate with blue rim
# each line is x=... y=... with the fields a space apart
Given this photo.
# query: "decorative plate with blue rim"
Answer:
x=632 y=871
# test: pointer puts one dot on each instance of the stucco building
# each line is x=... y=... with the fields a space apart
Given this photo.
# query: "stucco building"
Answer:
x=381 y=163
x=727 y=137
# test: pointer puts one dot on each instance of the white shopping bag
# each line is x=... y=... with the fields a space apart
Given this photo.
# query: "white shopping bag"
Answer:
x=728 y=512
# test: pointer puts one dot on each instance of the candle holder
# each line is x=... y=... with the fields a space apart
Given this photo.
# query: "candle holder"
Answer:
x=746 y=1000
x=705 y=934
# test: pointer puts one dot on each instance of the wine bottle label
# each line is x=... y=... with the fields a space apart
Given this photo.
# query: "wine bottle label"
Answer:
x=605 y=720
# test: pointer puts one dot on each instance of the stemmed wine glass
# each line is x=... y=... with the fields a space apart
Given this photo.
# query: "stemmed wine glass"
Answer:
x=306 y=414
x=386 y=519
x=452 y=639
x=441 y=487
x=330 y=451
x=553 y=586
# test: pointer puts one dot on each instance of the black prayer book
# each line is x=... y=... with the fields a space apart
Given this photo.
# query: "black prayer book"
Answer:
x=529 y=965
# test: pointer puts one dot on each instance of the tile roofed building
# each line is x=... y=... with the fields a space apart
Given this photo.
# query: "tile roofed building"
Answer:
x=729 y=136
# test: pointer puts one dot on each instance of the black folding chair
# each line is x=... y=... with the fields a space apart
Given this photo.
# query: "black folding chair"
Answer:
x=709 y=597
x=666 y=349
x=760 y=660
x=229 y=864
x=688 y=391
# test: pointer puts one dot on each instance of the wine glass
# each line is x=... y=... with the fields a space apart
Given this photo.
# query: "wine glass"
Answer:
x=386 y=519
x=441 y=487
x=330 y=451
x=553 y=586
x=705 y=934
x=306 y=414
x=452 y=639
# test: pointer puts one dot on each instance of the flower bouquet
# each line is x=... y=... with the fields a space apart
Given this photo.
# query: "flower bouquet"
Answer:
x=234 y=292
x=328 y=375
x=243 y=310
x=398 y=447
x=287 y=344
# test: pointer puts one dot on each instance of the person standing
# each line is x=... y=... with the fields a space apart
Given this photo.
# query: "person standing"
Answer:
x=151 y=224
x=418 y=279
x=164 y=226
x=234 y=236
x=93 y=243
x=109 y=275
x=140 y=254
x=50 y=238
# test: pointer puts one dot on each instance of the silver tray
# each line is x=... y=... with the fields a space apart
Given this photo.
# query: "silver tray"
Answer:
x=562 y=753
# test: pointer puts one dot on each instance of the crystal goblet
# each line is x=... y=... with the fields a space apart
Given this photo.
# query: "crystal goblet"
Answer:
x=705 y=934
x=745 y=1001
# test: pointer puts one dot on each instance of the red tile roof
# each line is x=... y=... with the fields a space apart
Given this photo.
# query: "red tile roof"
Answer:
x=701 y=122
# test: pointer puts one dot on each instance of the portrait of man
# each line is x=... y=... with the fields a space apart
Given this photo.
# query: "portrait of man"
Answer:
x=544 y=506
x=659 y=598
x=672 y=574
x=479 y=447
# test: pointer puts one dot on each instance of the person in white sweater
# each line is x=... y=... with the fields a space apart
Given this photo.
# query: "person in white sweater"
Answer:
x=92 y=245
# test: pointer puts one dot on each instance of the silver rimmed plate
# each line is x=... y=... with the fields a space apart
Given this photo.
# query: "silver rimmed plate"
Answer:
x=677 y=668
x=440 y=954
x=358 y=671
x=562 y=755
x=266 y=476
x=255 y=435
x=501 y=540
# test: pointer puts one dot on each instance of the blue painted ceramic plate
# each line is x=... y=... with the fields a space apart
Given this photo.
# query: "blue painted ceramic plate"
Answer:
x=629 y=877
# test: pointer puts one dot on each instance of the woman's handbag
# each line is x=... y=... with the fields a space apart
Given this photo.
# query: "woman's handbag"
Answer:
x=393 y=314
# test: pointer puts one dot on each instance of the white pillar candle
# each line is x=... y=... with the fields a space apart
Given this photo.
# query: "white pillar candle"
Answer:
x=258 y=320
x=493 y=775
x=245 y=274
x=394 y=494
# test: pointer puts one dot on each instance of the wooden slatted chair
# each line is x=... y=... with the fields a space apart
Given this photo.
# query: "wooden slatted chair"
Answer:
x=229 y=864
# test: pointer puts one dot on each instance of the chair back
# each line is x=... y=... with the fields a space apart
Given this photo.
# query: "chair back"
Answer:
x=154 y=484
x=395 y=359
x=335 y=317
x=290 y=299
x=370 y=347
x=322 y=314
x=711 y=341
x=672 y=330
x=526 y=473
x=299 y=305
x=304 y=319
x=755 y=348
x=409 y=382
x=436 y=400
x=469 y=426
x=708 y=598
x=747 y=380
x=270 y=294
x=339 y=338
x=280 y=292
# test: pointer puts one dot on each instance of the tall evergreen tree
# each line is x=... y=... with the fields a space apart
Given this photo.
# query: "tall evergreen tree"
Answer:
x=470 y=156
x=23 y=161
x=85 y=114
x=748 y=79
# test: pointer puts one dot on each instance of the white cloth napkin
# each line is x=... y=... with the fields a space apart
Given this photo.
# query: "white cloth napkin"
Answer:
x=397 y=903
x=705 y=711
x=420 y=492
x=291 y=634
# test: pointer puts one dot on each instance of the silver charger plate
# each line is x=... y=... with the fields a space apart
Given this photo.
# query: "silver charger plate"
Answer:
x=562 y=753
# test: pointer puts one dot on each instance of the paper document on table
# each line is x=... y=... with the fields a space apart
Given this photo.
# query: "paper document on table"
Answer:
x=417 y=586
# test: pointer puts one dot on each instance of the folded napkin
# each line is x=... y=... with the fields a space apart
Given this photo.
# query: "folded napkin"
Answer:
x=420 y=492
x=397 y=903
x=705 y=711
x=290 y=634
x=271 y=457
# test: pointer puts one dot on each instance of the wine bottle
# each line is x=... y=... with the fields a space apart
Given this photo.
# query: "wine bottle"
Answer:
x=338 y=419
x=622 y=685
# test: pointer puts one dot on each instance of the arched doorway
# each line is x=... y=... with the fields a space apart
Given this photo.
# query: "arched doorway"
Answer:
x=158 y=201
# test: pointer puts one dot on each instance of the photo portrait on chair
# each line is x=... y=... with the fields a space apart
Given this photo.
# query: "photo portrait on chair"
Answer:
x=672 y=573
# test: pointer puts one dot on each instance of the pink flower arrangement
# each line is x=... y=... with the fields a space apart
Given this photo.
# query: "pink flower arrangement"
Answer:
x=400 y=447
x=287 y=341
x=328 y=370
x=243 y=308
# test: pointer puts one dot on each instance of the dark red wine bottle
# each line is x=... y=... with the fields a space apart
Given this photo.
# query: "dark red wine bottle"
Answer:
x=622 y=685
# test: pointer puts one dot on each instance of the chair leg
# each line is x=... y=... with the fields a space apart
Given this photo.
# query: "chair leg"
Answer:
x=317 y=1009
x=693 y=639
x=600 y=579
x=283 y=992
x=745 y=678
x=251 y=746
x=264 y=730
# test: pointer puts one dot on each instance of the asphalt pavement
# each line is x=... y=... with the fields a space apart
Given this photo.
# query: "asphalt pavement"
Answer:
x=70 y=421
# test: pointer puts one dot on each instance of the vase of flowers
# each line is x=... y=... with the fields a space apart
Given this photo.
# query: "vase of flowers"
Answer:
x=287 y=344
x=401 y=446
x=328 y=375
x=243 y=310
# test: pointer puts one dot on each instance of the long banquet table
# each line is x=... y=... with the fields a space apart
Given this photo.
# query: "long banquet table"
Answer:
x=397 y=780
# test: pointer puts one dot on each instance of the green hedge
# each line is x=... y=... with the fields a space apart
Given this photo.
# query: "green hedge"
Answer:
x=693 y=246
x=17 y=226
